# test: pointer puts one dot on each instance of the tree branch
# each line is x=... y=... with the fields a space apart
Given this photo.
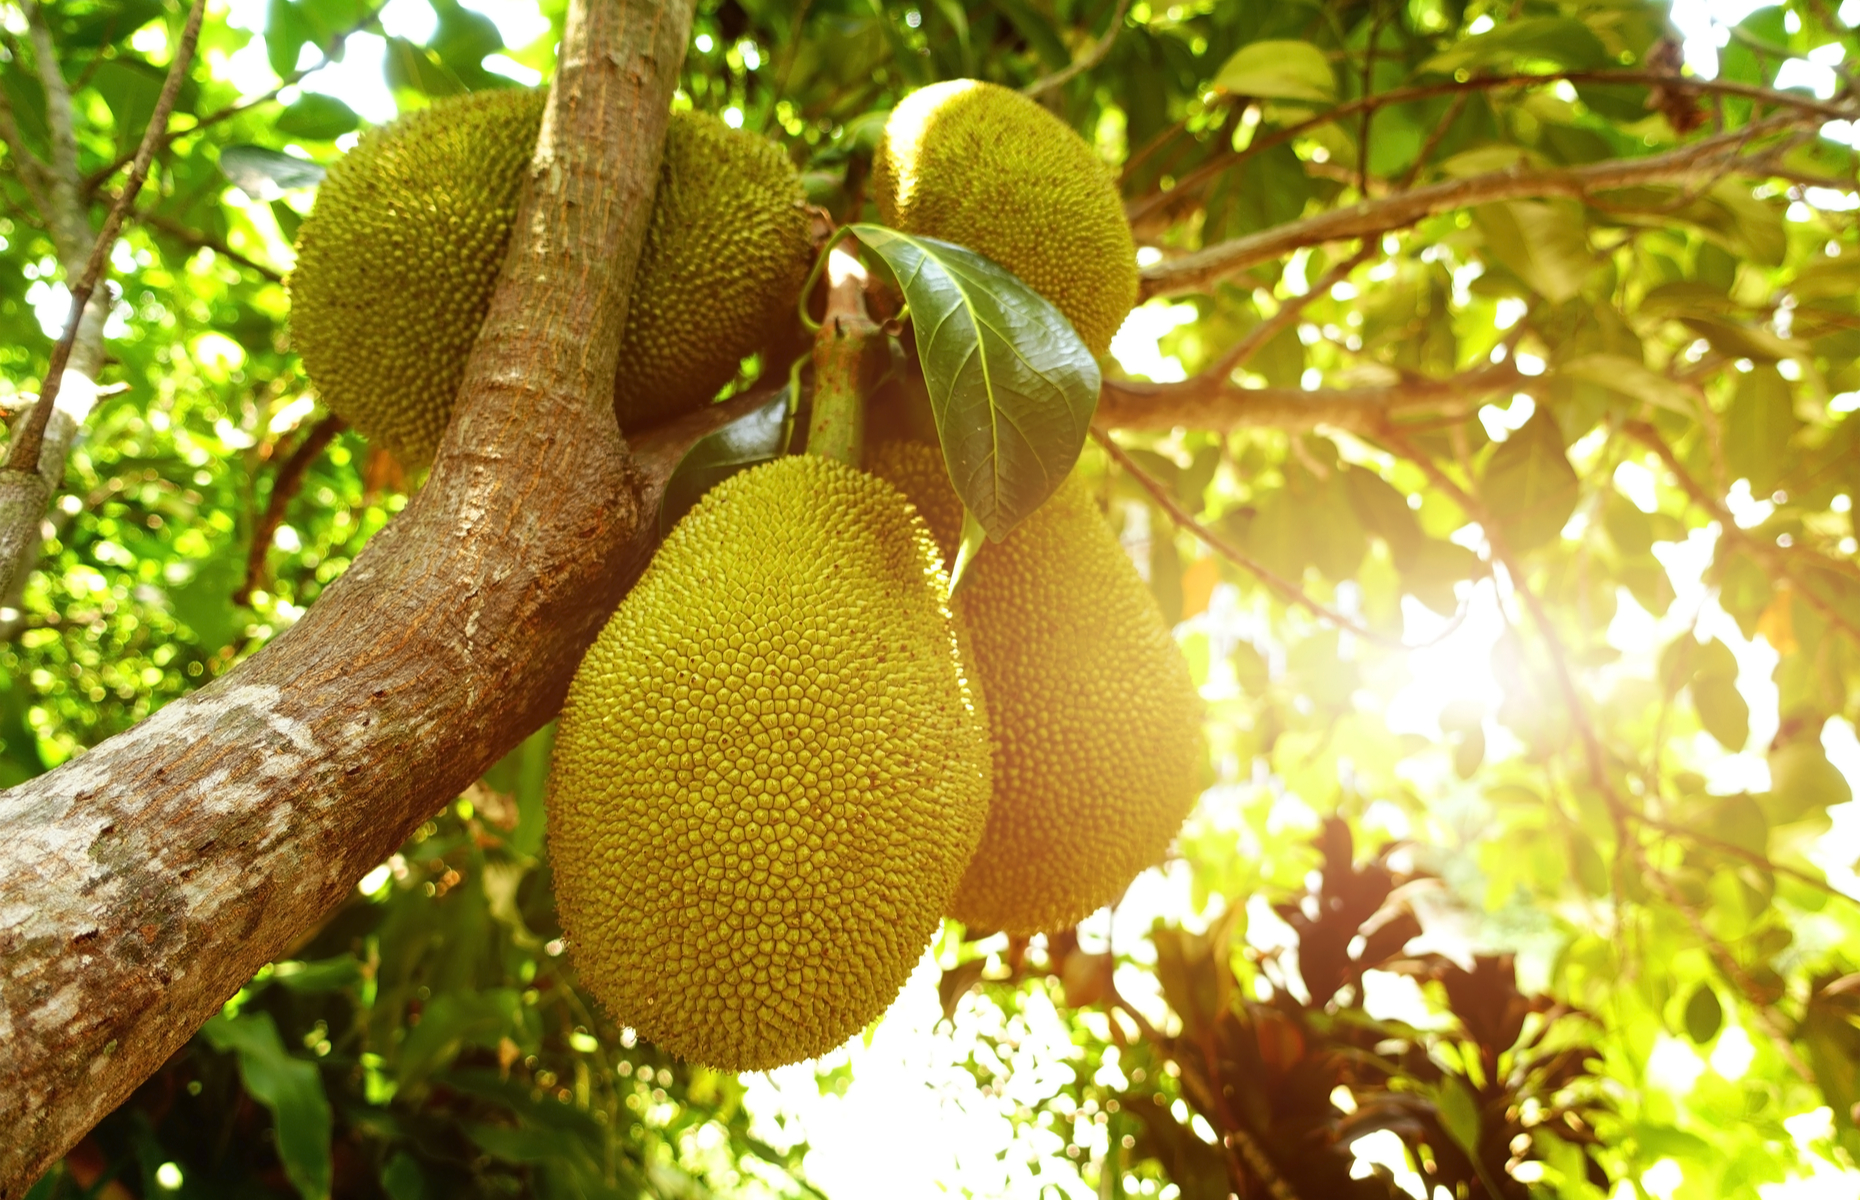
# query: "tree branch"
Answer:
x=143 y=882
x=64 y=160
x=1287 y=590
x=1143 y=207
x=1776 y=558
x=97 y=178
x=1223 y=406
x=1372 y=218
x=200 y=241
x=284 y=485
x=23 y=454
x=1084 y=62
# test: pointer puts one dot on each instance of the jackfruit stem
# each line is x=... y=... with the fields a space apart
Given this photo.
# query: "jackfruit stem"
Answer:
x=850 y=357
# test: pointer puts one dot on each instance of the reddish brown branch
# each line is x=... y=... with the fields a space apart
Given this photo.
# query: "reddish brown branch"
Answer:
x=284 y=487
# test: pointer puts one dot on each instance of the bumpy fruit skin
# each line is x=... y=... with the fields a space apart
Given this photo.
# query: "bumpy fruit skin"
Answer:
x=769 y=774
x=1095 y=723
x=986 y=167
x=396 y=264
x=726 y=254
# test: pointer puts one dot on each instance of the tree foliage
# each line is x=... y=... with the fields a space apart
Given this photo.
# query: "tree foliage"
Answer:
x=1503 y=496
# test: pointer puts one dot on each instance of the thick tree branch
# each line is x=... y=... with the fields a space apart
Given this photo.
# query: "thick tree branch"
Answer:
x=142 y=883
x=1372 y=218
x=1223 y=406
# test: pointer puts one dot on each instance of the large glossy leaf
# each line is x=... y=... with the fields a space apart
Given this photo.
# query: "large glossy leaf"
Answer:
x=290 y=1087
x=755 y=437
x=1011 y=384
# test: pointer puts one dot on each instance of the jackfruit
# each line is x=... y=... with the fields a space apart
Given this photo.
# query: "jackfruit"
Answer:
x=769 y=773
x=726 y=255
x=396 y=264
x=1094 y=721
x=986 y=167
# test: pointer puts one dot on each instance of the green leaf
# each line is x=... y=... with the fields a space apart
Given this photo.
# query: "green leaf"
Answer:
x=1723 y=711
x=1704 y=1015
x=1560 y=40
x=1529 y=485
x=1011 y=384
x=758 y=436
x=131 y=88
x=1542 y=242
x=1803 y=782
x=204 y=603
x=1279 y=70
x=1631 y=378
x=402 y=1178
x=286 y=31
x=1586 y=864
x=290 y=1087
x=263 y=174
x=318 y=117
x=1628 y=527
x=1758 y=428
x=1459 y=1112
x=1250 y=669
x=452 y=1022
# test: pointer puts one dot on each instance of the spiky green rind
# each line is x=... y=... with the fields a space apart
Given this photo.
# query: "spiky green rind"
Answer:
x=986 y=167
x=769 y=774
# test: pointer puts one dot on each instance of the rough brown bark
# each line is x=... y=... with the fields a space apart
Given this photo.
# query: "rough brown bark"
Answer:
x=142 y=883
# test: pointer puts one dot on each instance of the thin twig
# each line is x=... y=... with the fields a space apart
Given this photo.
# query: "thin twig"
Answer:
x=1266 y=575
x=97 y=178
x=1084 y=62
x=284 y=487
x=1374 y=217
x=1777 y=558
x=1272 y=326
x=193 y=237
x=23 y=454
x=1439 y=135
x=1262 y=142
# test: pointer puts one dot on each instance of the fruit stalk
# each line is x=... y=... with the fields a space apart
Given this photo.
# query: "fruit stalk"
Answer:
x=850 y=356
